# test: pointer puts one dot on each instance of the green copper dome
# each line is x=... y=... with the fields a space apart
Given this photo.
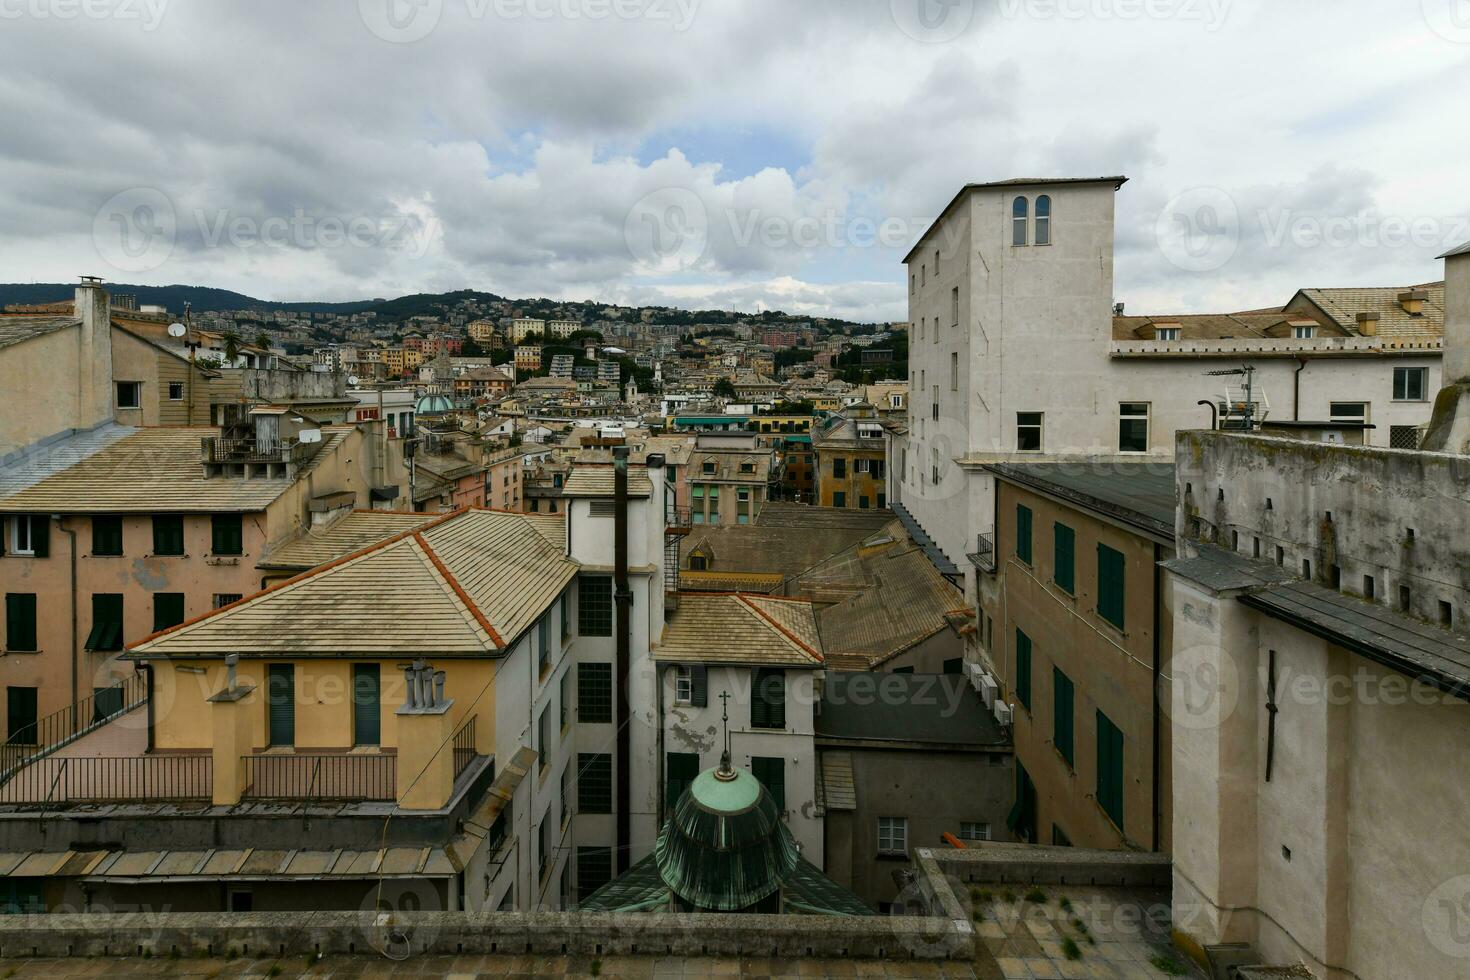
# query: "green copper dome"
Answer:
x=725 y=849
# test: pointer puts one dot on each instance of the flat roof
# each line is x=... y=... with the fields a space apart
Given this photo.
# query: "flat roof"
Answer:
x=935 y=708
x=1138 y=493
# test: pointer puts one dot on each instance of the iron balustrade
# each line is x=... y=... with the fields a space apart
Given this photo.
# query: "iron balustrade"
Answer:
x=47 y=734
x=56 y=779
x=464 y=747
x=321 y=777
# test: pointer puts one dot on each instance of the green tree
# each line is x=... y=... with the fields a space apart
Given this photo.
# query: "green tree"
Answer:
x=725 y=388
x=232 y=347
x=263 y=340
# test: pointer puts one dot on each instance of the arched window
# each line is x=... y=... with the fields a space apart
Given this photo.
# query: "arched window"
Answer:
x=1020 y=211
x=1043 y=220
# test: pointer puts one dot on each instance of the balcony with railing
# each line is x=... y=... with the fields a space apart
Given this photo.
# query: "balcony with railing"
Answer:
x=983 y=557
x=46 y=735
x=58 y=780
x=369 y=776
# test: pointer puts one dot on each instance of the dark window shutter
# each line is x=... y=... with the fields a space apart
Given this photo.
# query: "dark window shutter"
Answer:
x=699 y=686
x=40 y=535
x=1023 y=533
x=1062 y=707
x=107 y=622
x=1110 y=768
x=4 y=534
x=20 y=621
x=168 y=610
x=771 y=773
x=366 y=704
x=281 y=684
x=1110 y=585
x=1064 y=559
x=1023 y=669
x=682 y=768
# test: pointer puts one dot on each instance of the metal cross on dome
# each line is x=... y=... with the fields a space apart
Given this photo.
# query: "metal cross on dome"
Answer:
x=726 y=771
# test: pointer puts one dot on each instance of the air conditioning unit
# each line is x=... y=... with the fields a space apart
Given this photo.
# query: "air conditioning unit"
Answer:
x=989 y=690
x=976 y=672
x=1003 y=713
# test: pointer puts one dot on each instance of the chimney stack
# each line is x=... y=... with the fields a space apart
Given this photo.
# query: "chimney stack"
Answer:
x=1449 y=427
x=95 y=401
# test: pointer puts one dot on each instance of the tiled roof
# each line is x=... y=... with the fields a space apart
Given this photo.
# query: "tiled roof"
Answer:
x=467 y=584
x=741 y=629
x=35 y=463
x=1344 y=305
x=1218 y=326
x=17 y=329
x=352 y=533
x=595 y=480
x=155 y=471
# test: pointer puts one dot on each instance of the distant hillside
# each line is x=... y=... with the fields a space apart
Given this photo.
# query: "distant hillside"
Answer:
x=202 y=299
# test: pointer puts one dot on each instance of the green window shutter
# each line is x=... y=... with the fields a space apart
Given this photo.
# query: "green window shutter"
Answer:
x=1023 y=533
x=681 y=767
x=106 y=702
x=168 y=535
x=281 y=688
x=106 y=535
x=1064 y=559
x=594 y=694
x=699 y=686
x=367 y=709
x=20 y=715
x=771 y=773
x=41 y=535
x=1110 y=768
x=168 y=610
x=20 y=621
x=107 y=622
x=768 y=705
x=227 y=534
x=1110 y=590
x=1023 y=669
x=1062 y=708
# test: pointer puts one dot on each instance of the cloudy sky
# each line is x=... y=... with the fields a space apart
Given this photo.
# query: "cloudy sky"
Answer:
x=753 y=154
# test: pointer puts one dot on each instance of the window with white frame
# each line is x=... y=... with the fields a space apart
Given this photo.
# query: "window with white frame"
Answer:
x=1168 y=333
x=954 y=372
x=1043 y=220
x=974 y=830
x=20 y=540
x=1304 y=333
x=130 y=394
x=1020 y=215
x=893 y=835
x=954 y=306
x=1028 y=431
x=175 y=391
x=683 y=685
x=1348 y=411
x=1133 y=427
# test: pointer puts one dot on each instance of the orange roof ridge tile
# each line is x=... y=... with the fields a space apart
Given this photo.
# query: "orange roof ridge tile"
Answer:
x=745 y=600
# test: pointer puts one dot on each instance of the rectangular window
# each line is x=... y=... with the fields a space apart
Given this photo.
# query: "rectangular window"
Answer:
x=367 y=704
x=954 y=372
x=566 y=794
x=565 y=606
x=1064 y=558
x=681 y=768
x=1023 y=533
x=222 y=599
x=594 y=694
x=954 y=306
x=1348 y=411
x=175 y=391
x=1023 y=669
x=1110 y=769
x=768 y=699
x=543 y=738
x=1133 y=427
x=130 y=394
x=594 y=869
x=893 y=835
x=107 y=536
x=839 y=467
x=20 y=622
x=839 y=498
x=1063 y=697
x=1167 y=333
x=1410 y=384
x=20 y=715
x=168 y=535
x=974 y=830
x=107 y=622
x=543 y=846
x=595 y=605
x=543 y=640
x=281 y=694
x=564 y=699
x=1303 y=333
x=1028 y=432
x=227 y=535
x=168 y=610
x=594 y=783
x=771 y=773
x=1110 y=585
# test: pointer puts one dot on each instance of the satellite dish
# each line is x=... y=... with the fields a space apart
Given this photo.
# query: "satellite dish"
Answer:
x=308 y=436
x=177 y=330
x=353 y=380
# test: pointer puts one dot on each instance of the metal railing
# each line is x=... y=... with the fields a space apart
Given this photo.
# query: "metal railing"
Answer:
x=56 y=779
x=217 y=449
x=983 y=556
x=72 y=722
x=464 y=746
x=321 y=777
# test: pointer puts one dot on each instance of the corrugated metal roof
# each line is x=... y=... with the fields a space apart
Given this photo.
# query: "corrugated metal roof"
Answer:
x=155 y=471
x=250 y=863
x=741 y=629
x=469 y=584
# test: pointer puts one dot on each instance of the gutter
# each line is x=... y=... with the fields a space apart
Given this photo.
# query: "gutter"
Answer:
x=623 y=603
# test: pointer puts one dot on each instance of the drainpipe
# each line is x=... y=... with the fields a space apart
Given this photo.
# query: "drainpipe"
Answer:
x=1296 y=389
x=623 y=600
x=1157 y=779
x=75 y=640
x=1214 y=413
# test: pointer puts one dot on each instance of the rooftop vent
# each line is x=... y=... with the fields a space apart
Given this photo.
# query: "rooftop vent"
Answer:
x=1413 y=301
x=1368 y=324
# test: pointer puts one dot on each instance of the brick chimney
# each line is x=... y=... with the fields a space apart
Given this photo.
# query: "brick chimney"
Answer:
x=1449 y=427
x=95 y=397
